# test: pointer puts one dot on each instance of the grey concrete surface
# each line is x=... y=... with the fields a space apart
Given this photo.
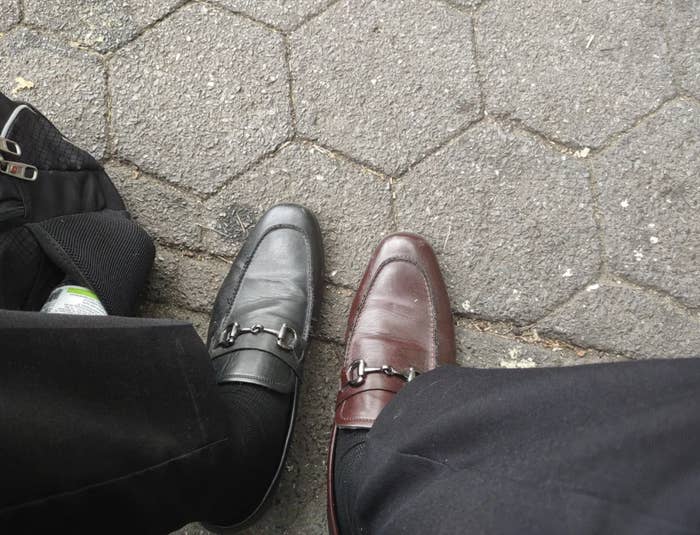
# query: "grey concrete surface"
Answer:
x=283 y=14
x=614 y=316
x=414 y=87
x=217 y=79
x=576 y=71
x=512 y=218
x=683 y=30
x=10 y=14
x=64 y=82
x=649 y=186
x=102 y=25
x=549 y=150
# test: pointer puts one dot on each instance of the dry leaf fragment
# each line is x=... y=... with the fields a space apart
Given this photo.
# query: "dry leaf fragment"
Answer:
x=22 y=84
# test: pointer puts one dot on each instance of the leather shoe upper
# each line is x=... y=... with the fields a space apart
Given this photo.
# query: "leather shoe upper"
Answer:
x=266 y=303
x=400 y=319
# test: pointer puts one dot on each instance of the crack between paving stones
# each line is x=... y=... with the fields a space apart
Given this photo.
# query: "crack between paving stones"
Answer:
x=572 y=148
x=198 y=251
x=339 y=285
x=284 y=31
x=462 y=10
x=260 y=160
x=4 y=33
x=613 y=139
x=612 y=279
x=109 y=138
x=179 y=5
x=52 y=34
x=477 y=67
x=182 y=188
x=675 y=79
x=110 y=50
x=506 y=119
x=557 y=306
x=689 y=96
x=673 y=301
x=290 y=82
x=335 y=153
x=22 y=12
x=598 y=219
x=308 y=18
x=393 y=208
x=195 y=253
x=242 y=14
x=443 y=144
x=87 y=48
x=326 y=340
x=528 y=337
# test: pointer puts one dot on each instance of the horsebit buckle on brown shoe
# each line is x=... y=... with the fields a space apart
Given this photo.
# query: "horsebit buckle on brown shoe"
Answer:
x=358 y=371
x=286 y=336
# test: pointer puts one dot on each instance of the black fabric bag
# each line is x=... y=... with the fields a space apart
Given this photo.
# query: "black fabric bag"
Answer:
x=107 y=424
x=63 y=219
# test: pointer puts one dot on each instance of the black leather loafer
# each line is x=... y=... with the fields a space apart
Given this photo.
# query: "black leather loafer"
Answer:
x=260 y=325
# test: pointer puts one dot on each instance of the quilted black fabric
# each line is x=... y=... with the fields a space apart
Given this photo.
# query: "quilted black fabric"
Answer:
x=69 y=223
x=106 y=250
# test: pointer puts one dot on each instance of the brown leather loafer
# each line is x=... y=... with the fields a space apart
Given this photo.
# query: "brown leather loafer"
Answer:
x=400 y=325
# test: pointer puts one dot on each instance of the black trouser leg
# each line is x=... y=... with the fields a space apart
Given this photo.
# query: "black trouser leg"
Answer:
x=348 y=474
x=605 y=449
x=112 y=424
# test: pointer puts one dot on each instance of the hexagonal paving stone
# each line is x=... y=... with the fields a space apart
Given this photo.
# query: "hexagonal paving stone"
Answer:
x=353 y=206
x=576 y=71
x=10 y=14
x=683 y=26
x=285 y=14
x=66 y=84
x=384 y=82
x=615 y=317
x=511 y=218
x=650 y=201
x=200 y=96
x=100 y=24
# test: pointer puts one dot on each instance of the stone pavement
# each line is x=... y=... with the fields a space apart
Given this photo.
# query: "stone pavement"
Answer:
x=549 y=150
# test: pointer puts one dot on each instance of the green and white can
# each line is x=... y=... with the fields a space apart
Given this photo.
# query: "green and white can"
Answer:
x=74 y=300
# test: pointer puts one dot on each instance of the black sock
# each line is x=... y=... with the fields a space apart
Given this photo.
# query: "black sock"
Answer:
x=259 y=425
x=350 y=449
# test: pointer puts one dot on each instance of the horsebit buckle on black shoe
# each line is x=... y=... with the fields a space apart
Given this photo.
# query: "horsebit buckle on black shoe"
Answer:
x=358 y=371
x=286 y=336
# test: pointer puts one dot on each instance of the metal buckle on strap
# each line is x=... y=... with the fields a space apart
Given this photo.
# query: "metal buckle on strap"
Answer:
x=358 y=371
x=286 y=336
x=19 y=170
x=10 y=147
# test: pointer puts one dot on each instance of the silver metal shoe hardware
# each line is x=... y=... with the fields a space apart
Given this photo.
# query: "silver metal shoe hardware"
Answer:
x=286 y=336
x=358 y=371
x=19 y=170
